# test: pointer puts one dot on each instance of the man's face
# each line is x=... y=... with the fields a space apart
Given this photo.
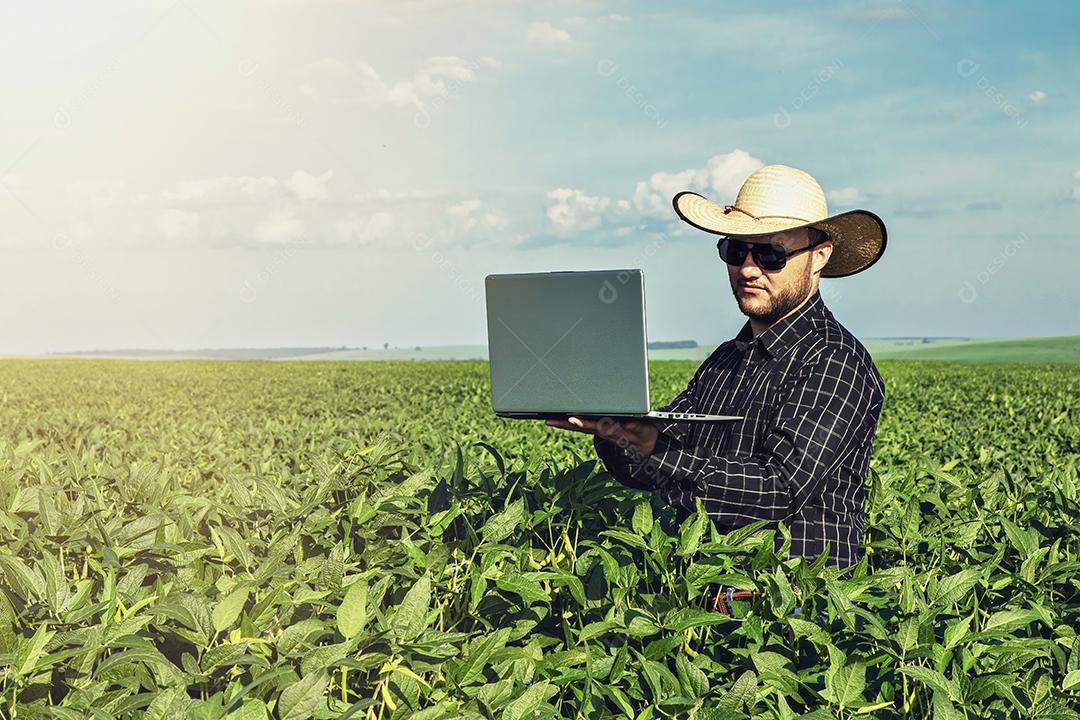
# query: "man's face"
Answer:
x=768 y=295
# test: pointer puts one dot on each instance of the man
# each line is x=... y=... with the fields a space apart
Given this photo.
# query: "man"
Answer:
x=808 y=390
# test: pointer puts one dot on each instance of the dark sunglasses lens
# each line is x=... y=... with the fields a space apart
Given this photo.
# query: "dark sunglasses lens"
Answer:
x=770 y=257
x=767 y=257
x=731 y=251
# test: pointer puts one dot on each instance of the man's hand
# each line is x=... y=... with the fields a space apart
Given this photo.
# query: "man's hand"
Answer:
x=637 y=434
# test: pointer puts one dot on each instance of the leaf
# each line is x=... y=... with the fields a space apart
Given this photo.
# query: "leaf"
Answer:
x=299 y=700
x=642 y=521
x=29 y=583
x=628 y=538
x=352 y=613
x=170 y=704
x=320 y=658
x=228 y=609
x=956 y=632
x=809 y=630
x=598 y=628
x=252 y=709
x=685 y=618
x=527 y=588
x=30 y=650
x=480 y=650
x=933 y=679
x=1009 y=619
x=499 y=526
x=952 y=589
x=690 y=534
x=845 y=686
x=410 y=616
x=692 y=678
x=741 y=693
x=943 y=707
x=529 y=701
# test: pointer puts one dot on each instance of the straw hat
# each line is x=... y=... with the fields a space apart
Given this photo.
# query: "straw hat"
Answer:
x=776 y=198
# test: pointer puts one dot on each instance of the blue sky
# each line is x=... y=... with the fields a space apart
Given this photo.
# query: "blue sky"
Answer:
x=195 y=174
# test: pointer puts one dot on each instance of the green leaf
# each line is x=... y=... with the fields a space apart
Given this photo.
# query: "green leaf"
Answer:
x=30 y=584
x=299 y=700
x=30 y=651
x=845 y=686
x=740 y=694
x=228 y=609
x=634 y=541
x=693 y=679
x=956 y=632
x=471 y=668
x=170 y=704
x=952 y=589
x=642 y=521
x=529 y=701
x=933 y=679
x=1009 y=620
x=252 y=709
x=499 y=526
x=907 y=635
x=410 y=616
x=527 y=588
x=352 y=613
x=692 y=530
x=685 y=618
x=598 y=628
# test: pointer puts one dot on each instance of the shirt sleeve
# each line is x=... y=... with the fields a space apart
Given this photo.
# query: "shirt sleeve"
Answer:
x=627 y=465
x=832 y=406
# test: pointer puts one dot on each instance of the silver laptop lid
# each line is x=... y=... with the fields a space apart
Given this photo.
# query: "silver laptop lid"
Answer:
x=569 y=342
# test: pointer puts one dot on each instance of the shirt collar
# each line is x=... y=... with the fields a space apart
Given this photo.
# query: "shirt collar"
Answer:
x=785 y=333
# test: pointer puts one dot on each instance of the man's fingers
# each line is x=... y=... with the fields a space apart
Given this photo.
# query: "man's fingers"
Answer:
x=573 y=423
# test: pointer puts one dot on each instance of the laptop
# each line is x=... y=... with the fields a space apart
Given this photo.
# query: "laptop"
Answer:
x=572 y=343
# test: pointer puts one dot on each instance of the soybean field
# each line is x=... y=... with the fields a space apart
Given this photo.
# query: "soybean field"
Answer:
x=246 y=540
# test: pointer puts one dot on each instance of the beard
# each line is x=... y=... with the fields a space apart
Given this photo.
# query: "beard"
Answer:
x=775 y=305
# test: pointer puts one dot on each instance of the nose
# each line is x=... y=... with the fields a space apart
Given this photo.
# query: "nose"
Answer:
x=749 y=264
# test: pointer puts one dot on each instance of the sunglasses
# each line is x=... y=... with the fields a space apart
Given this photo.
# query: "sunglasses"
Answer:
x=767 y=256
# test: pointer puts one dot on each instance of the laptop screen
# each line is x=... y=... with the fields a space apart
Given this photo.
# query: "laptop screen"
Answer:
x=572 y=342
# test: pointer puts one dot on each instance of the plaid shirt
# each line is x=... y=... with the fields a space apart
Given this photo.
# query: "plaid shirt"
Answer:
x=811 y=396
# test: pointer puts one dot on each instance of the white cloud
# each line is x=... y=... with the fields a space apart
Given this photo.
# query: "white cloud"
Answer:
x=95 y=193
x=721 y=179
x=245 y=190
x=332 y=81
x=544 y=33
x=179 y=224
x=1037 y=97
x=653 y=196
x=845 y=196
x=223 y=190
x=310 y=187
x=365 y=230
x=279 y=227
x=574 y=210
x=470 y=215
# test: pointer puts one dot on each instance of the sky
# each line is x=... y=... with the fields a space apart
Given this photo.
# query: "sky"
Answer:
x=193 y=174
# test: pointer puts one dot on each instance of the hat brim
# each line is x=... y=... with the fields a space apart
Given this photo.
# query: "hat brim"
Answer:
x=858 y=236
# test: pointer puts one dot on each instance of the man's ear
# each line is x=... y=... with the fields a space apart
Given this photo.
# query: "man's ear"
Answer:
x=821 y=255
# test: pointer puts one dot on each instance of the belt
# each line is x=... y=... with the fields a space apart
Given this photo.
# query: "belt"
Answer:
x=721 y=602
